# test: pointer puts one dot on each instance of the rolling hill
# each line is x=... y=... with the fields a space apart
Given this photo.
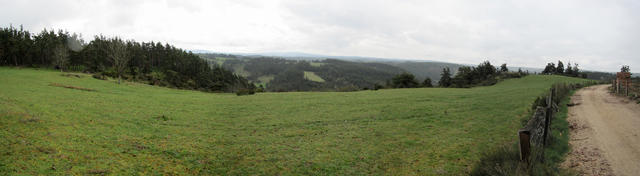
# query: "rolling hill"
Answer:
x=56 y=123
x=341 y=73
x=279 y=74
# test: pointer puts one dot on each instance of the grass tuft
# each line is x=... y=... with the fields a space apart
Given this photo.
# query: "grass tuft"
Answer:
x=98 y=172
x=71 y=87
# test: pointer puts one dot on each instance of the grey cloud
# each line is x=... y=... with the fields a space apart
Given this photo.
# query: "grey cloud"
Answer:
x=599 y=35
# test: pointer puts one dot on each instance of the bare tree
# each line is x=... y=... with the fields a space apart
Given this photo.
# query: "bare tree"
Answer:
x=60 y=56
x=117 y=52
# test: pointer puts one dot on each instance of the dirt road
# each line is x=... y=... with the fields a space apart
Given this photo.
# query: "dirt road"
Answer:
x=605 y=133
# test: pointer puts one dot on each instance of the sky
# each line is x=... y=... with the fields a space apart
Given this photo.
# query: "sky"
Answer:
x=599 y=35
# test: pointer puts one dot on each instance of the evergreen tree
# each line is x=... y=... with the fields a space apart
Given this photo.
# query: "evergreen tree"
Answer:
x=445 y=79
x=427 y=82
x=404 y=80
x=560 y=68
x=549 y=69
x=575 y=71
x=465 y=77
x=503 y=68
x=569 y=70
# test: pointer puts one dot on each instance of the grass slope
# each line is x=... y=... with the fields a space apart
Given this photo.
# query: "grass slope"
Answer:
x=139 y=129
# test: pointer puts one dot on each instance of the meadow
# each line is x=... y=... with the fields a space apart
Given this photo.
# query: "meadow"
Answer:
x=55 y=124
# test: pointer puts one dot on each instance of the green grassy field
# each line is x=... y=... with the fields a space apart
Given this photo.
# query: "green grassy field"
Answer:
x=134 y=129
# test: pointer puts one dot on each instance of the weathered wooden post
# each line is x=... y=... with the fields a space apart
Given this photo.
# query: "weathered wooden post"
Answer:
x=525 y=144
x=627 y=88
x=547 y=116
x=531 y=138
x=617 y=86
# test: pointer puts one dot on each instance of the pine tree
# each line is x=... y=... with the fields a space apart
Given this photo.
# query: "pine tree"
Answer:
x=560 y=68
x=569 y=70
x=549 y=69
x=503 y=68
x=445 y=79
x=427 y=82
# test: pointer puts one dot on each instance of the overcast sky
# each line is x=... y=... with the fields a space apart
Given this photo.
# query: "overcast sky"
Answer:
x=599 y=35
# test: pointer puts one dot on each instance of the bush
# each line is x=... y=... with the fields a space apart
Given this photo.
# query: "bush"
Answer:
x=242 y=92
x=156 y=78
x=503 y=161
x=110 y=72
x=76 y=68
x=377 y=86
x=349 y=88
x=404 y=80
x=99 y=76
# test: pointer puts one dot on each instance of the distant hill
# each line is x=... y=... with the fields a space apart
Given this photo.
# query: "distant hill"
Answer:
x=295 y=71
x=423 y=70
x=280 y=74
x=308 y=56
x=420 y=68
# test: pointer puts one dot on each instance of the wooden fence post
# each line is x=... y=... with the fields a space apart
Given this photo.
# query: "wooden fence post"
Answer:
x=627 y=88
x=617 y=87
x=531 y=138
x=547 y=116
x=525 y=145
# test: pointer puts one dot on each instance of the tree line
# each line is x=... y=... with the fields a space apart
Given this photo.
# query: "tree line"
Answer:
x=572 y=71
x=147 y=62
x=484 y=74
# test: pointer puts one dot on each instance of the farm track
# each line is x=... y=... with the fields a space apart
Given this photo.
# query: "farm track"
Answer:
x=605 y=137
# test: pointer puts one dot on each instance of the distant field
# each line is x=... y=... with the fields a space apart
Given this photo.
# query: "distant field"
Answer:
x=312 y=76
x=239 y=69
x=316 y=64
x=220 y=60
x=265 y=79
x=134 y=129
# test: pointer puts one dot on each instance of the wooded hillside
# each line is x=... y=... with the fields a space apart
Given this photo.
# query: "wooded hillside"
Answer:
x=150 y=62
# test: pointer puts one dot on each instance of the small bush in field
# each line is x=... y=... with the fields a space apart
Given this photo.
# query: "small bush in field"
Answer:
x=99 y=76
x=242 y=92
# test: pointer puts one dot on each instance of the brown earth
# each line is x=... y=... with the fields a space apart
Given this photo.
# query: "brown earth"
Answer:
x=605 y=133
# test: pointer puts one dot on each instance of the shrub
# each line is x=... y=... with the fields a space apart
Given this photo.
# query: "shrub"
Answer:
x=377 y=86
x=505 y=160
x=404 y=80
x=99 y=76
x=349 y=88
x=242 y=92
x=76 y=68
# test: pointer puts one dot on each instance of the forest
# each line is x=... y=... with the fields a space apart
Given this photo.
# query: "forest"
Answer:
x=280 y=74
x=148 y=62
